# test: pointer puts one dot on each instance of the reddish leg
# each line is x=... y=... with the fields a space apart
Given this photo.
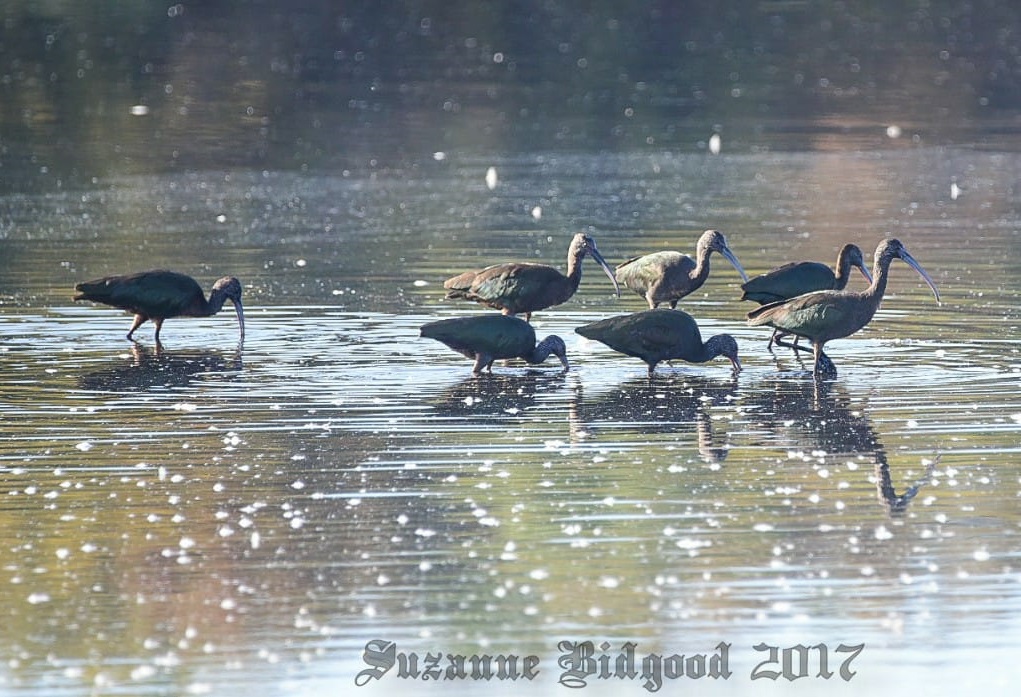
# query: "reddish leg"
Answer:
x=139 y=321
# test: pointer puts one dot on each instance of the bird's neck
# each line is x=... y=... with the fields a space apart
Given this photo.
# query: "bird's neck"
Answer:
x=873 y=295
x=701 y=270
x=541 y=351
x=574 y=270
x=843 y=273
x=709 y=350
x=217 y=298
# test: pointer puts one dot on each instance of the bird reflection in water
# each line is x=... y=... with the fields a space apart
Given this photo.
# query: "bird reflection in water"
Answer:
x=148 y=368
x=818 y=415
x=496 y=395
x=668 y=405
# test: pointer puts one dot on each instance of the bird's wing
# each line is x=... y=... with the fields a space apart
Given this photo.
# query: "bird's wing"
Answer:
x=812 y=314
x=161 y=294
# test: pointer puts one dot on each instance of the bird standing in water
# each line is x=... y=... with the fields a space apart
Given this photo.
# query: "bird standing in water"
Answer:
x=794 y=279
x=522 y=287
x=160 y=295
x=833 y=314
x=660 y=335
x=669 y=276
x=486 y=338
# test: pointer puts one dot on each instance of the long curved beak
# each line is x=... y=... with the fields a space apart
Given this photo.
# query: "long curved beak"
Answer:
x=563 y=361
x=910 y=261
x=736 y=364
x=865 y=273
x=241 y=319
x=606 y=268
x=729 y=256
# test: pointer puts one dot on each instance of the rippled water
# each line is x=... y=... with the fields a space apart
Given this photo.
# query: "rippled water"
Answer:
x=211 y=519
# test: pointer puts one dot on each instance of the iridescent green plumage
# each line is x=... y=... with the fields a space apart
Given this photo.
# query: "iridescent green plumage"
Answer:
x=159 y=295
x=833 y=314
x=794 y=279
x=486 y=338
x=523 y=288
x=660 y=335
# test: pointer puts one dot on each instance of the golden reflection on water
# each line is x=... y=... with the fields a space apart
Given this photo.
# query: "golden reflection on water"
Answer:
x=209 y=515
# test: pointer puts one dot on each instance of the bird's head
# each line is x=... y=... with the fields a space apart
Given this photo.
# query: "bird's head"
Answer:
x=714 y=241
x=553 y=344
x=229 y=288
x=583 y=244
x=894 y=249
x=724 y=345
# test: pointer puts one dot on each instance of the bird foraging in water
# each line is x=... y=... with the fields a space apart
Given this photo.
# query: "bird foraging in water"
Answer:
x=486 y=338
x=660 y=335
x=797 y=278
x=833 y=314
x=522 y=287
x=669 y=276
x=160 y=295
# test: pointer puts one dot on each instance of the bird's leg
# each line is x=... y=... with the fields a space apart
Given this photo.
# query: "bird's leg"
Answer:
x=480 y=362
x=794 y=346
x=139 y=321
x=159 y=325
x=823 y=364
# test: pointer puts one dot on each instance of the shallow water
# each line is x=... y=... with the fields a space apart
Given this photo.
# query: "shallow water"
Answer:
x=212 y=519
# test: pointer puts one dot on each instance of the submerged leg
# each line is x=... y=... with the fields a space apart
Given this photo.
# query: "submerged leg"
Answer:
x=139 y=321
x=823 y=364
x=159 y=325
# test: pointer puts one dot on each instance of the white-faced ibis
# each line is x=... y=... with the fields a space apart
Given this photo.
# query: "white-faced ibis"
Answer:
x=660 y=335
x=797 y=278
x=486 y=338
x=521 y=287
x=834 y=314
x=663 y=277
x=160 y=295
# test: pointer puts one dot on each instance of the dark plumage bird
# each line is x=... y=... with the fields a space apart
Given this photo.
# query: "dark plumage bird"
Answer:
x=486 y=338
x=833 y=314
x=160 y=295
x=660 y=335
x=794 y=279
x=663 y=277
x=523 y=288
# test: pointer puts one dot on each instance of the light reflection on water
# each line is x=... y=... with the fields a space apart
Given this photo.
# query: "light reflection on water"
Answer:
x=260 y=514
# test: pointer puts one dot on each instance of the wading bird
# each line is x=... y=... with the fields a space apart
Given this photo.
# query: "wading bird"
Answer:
x=486 y=338
x=833 y=314
x=663 y=277
x=160 y=295
x=794 y=279
x=660 y=335
x=522 y=287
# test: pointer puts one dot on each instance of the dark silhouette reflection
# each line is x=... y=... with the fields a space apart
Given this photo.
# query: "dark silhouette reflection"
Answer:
x=503 y=394
x=663 y=405
x=150 y=368
x=818 y=414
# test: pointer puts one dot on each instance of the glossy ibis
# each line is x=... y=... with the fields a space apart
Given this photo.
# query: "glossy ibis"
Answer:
x=489 y=337
x=669 y=276
x=160 y=295
x=521 y=287
x=791 y=280
x=660 y=335
x=834 y=314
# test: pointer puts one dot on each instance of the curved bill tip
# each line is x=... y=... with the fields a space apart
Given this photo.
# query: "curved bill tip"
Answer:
x=736 y=364
x=241 y=320
x=729 y=255
x=563 y=361
x=606 y=269
x=866 y=273
x=910 y=260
